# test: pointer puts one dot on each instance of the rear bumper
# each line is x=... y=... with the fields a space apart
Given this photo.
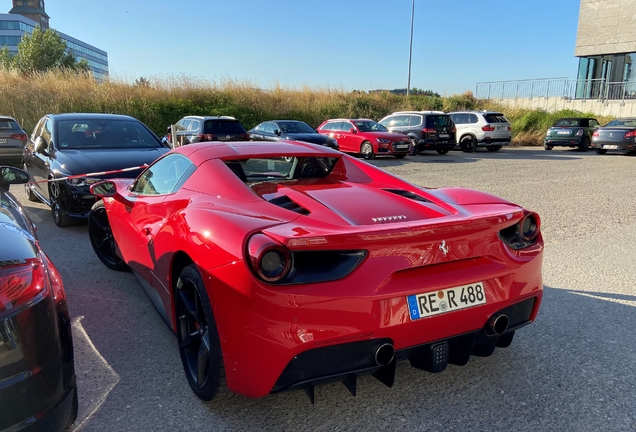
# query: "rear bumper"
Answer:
x=487 y=141
x=423 y=145
x=614 y=145
x=570 y=142
x=266 y=332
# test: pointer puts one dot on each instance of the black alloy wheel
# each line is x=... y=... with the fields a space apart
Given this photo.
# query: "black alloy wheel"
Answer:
x=443 y=151
x=468 y=144
x=366 y=149
x=413 y=147
x=59 y=213
x=102 y=239
x=601 y=151
x=494 y=148
x=28 y=191
x=547 y=147
x=199 y=344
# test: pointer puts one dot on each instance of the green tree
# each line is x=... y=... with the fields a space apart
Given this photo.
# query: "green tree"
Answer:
x=42 y=51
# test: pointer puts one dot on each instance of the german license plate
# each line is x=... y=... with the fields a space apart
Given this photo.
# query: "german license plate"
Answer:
x=564 y=132
x=610 y=146
x=446 y=300
x=3 y=140
x=402 y=146
x=444 y=135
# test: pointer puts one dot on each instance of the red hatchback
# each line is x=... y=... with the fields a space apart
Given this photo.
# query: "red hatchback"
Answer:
x=366 y=137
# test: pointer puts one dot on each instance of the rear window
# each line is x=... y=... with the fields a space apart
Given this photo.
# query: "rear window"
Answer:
x=495 y=118
x=223 y=127
x=438 y=120
x=9 y=125
x=281 y=168
x=623 y=122
x=568 y=122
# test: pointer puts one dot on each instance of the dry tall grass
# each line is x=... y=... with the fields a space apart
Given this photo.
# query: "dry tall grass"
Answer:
x=160 y=102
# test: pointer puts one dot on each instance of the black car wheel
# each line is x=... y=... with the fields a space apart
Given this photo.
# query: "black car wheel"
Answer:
x=413 y=148
x=547 y=147
x=28 y=191
x=601 y=151
x=468 y=144
x=494 y=148
x=102 y=239
x=59 y=213
x=366 y=149
x=585 y=143
x=199 y=343
x=443 y=151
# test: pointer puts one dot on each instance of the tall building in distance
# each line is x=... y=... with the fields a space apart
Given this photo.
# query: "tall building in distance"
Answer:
x=26 y=15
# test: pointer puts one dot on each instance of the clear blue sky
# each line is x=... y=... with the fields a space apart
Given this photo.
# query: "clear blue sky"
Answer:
x=349 y=44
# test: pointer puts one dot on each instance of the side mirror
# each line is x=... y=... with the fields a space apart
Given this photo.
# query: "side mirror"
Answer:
x=104 y=189
x=169 y=129
x=276 y=132
x=353 y=130
x=12 y=175
x=40 y=145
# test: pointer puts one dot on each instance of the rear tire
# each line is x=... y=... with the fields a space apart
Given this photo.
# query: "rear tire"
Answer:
x=585 y=143
x=413 y=148
x=443 y=152
x=494 y=148
x=102 y=239
x=601 y=151
x=468 y=144
x=366 y=150
x=198 y=339
x=547 y=147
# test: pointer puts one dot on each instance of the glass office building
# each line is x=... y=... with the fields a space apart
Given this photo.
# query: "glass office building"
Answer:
x=13 y=26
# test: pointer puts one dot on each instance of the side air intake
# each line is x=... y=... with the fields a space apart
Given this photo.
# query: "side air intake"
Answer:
x=407 y=194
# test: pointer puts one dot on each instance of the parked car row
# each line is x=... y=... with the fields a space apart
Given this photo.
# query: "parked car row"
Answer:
x=584 y=132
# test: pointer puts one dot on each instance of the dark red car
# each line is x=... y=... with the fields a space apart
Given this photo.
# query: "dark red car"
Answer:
x=283 y=266
x=365 y=137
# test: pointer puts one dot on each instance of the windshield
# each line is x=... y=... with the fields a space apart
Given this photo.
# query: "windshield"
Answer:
x=629 y=122
x=295 y=127
x=567 y=122
x=100 y=134
x=281 y=168
x=369 y=126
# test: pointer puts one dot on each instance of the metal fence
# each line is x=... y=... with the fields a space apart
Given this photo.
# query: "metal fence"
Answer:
x=556 y=87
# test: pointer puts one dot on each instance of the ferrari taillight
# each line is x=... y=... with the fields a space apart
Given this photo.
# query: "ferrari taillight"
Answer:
x=19 y=283
x=270 y=260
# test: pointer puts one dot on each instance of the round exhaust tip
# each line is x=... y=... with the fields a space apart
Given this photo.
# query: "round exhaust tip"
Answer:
x=498 y=323
x=383 y=354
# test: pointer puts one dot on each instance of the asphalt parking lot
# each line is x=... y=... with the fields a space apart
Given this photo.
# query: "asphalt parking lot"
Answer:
x=573 y=369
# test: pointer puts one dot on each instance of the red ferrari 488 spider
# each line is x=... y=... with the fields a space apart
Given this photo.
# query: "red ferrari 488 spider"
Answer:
x=288 y=265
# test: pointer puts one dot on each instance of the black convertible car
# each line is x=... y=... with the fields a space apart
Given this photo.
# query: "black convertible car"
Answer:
x=37 y=376
x=64 y=145
x=295 y=130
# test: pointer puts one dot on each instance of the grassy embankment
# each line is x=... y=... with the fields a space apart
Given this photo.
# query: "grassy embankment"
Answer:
x=165 y=101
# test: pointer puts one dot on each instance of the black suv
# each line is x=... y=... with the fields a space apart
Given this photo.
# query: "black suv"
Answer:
x=193 y=129
x=427 y=130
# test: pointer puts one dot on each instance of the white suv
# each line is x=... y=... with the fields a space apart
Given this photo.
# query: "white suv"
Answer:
x=488 y=129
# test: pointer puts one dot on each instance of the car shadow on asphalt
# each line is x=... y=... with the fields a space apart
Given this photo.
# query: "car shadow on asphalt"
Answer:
x=577 y=355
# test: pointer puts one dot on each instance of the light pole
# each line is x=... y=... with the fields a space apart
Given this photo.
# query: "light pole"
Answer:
x=408 y=85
